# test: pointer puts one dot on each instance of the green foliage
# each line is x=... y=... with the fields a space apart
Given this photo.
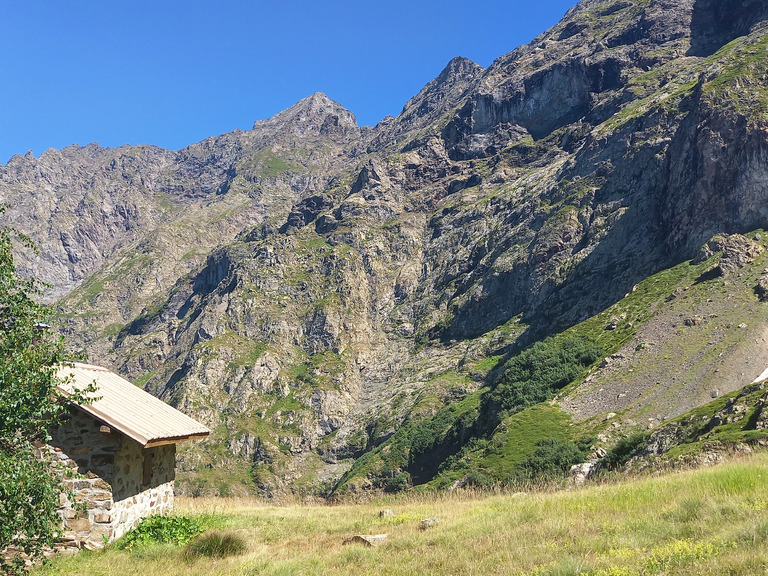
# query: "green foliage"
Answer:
x=443 y=443
x=479 y=479
x=140 y=323
x=30 y=403
x=216 y=545
x=433 y=440
x=584 y=443
x=552 y=457
x=397 y=483
x=177 y=530
x=416 y=450
x=514 y=440
x=536 y=374
x=623 y=450
x=28 y=506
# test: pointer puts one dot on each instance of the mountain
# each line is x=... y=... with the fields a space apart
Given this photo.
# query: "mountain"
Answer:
x=340 y=300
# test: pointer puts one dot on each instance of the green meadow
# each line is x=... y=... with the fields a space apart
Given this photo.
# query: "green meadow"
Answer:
x=695 y=522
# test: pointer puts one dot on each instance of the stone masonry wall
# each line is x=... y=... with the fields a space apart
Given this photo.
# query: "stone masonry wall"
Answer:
x=133 y=499
x=116 y=482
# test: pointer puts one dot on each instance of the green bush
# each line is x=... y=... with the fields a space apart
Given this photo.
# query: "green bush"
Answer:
x=536 y=374
x=215 y=545
x=435 y=439
x=584 y=443
x=397 y=483
x=623 y=450
x=161 y=530
x=552 y=457
x=478 y=479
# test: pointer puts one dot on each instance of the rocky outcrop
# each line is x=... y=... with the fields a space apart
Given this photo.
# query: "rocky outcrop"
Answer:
x=703 y=429
x=736 y=252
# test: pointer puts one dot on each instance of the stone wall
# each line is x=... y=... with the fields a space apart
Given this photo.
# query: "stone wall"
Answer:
x=116 y=482
x=133 y=498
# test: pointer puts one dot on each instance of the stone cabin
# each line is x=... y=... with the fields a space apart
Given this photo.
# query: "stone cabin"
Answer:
x=121 y=450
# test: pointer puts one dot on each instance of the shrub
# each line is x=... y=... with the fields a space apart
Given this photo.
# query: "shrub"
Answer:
x=215 y=545
x=552 y=457
x=584 y=443
x=623 y=450
x=478 y=479
x=30 y=405
x=161 y=530
x=435 y=439
x=535 y=375
x=397 y=483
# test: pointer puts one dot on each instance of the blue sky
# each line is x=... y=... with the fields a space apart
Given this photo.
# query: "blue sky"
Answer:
x=171 y=73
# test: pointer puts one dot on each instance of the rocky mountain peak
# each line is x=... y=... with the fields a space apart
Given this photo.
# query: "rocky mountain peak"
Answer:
x=455 y=79
x=314 y=114
x=458 y=69
x=433 y=101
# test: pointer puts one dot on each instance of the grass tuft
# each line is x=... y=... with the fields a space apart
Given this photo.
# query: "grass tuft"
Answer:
x=160 y=530
x=216 y=545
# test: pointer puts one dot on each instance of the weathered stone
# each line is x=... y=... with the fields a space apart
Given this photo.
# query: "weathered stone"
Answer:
x=580 y=472
x=112 y=510
x=79 y=524
x=761 y=289
x=366 y=540
x=102 y=485
x=738 y=251
x=428 y=523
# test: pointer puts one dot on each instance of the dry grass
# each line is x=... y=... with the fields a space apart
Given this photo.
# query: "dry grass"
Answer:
x=712 y=521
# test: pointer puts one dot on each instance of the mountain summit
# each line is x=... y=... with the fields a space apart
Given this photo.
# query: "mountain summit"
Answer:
x=316 y=113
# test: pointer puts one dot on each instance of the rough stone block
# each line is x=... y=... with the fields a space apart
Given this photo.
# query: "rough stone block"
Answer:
x=102 y=518
x=79 y=524
x=105 y=504
x=99 y=531
x=99 y=495
x=102 y=485
x=103 y=459
x=366 y=539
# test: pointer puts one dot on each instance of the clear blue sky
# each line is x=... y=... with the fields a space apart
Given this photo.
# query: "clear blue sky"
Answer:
x=172 y=72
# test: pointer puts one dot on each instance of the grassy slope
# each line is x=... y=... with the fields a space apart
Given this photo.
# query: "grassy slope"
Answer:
x=710 y=521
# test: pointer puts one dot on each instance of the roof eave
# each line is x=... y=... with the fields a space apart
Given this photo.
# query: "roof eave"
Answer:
x=142 y=440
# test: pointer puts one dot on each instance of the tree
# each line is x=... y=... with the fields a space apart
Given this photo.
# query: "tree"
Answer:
x=30 y=403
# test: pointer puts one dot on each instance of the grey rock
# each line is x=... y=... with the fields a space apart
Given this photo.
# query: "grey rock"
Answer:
x=580 y=472
x=428 y=523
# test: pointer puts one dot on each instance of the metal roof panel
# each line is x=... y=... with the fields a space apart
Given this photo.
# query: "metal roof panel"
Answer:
x=129 y=409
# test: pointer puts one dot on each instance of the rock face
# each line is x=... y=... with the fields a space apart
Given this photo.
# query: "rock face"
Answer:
x=305 y=286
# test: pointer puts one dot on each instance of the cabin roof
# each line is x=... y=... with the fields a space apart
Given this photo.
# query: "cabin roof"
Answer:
x=129 y=409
